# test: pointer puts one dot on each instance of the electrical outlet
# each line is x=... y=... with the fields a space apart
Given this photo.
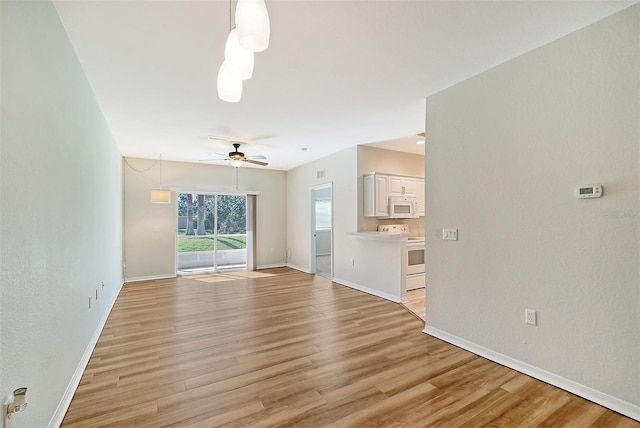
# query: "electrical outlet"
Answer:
x=530 y=317
x=89 y=302
x=103 y=285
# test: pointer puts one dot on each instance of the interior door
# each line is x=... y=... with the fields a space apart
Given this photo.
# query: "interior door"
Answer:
x=322 y=230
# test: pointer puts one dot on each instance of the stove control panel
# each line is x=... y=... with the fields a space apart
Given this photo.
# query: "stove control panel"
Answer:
x=393 y=228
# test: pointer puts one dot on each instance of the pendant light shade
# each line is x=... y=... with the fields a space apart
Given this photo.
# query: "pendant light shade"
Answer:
x=229 y=87
x=252 y=22
x=160 y=196
x=238 y=59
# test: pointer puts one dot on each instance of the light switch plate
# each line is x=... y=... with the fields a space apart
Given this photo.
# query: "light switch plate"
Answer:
x=450 y=234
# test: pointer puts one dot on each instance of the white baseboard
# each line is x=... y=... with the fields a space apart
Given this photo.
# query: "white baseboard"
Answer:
x=148 y=278
x=63 y=406
x=613 y=403
x=273 y=265
x=394 y=299
x=301 y=269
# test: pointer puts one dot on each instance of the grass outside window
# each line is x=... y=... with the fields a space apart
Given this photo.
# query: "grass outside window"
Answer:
x=187 y=244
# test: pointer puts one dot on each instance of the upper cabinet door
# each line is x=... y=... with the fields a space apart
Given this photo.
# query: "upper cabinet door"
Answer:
x=382 y=196
x=409 y=186
x=375 y=195
x=396 y=186
x=402 y=186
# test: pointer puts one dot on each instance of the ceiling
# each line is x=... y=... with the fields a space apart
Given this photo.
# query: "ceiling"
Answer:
x=336 y=73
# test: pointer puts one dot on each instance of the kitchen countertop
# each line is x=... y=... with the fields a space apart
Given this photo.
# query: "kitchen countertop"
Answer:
x=379 y=236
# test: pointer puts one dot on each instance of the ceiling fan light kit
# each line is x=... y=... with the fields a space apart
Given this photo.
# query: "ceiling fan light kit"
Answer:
x=250 y=35
x=236 y=163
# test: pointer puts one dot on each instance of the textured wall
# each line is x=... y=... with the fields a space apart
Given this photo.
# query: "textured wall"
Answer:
x=61 y=210
x=505 y=151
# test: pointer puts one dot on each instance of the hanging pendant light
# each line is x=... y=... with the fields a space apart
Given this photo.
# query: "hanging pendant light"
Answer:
x=252 y=22
x=229 y=87
x=160 y=195
x=239 y=60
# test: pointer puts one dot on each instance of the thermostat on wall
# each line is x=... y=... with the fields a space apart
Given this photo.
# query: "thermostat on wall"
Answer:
x=591 y=191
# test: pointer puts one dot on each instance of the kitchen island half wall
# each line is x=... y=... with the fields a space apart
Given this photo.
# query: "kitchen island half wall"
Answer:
x=381 y=266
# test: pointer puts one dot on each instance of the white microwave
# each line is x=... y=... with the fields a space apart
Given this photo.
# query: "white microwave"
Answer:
x=403 y=207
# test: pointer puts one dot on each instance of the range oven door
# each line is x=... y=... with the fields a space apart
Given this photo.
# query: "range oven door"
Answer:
x=415 y=258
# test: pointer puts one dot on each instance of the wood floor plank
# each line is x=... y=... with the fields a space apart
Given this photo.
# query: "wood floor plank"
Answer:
x=416 y=303
x=280 y=348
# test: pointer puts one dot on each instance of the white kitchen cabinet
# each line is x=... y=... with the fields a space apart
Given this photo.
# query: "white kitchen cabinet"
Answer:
x=378 y=187
x=376 y=195
x=402 y=186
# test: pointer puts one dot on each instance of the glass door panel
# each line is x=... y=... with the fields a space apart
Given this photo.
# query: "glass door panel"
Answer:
x=231 y=232
x=196 y=220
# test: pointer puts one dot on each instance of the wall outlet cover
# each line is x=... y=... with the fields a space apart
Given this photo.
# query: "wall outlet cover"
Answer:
x=530 y=317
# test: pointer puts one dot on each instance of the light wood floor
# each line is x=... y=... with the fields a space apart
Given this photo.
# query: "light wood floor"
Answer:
x=416 y=303
x=291 y=349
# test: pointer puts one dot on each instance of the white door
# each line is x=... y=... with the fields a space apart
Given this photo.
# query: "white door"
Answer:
x=322 y=230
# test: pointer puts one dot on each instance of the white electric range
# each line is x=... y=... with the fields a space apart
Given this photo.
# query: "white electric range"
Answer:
x=415 y=254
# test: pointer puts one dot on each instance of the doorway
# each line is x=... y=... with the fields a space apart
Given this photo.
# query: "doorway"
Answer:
x=212 y=233
x=322 y=230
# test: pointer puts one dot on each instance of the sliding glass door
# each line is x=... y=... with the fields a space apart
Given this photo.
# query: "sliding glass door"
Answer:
x=231 y=232
x=211 y=232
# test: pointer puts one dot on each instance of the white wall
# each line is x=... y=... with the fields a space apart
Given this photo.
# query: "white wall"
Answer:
x=61 y=216
x=340 y=169
x=150 y=229
x=505 y=151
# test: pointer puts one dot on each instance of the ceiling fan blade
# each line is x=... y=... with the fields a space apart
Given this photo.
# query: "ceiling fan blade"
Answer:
x=256 y=157
x=225 y=139
x=256 y=162
x=213 y=159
